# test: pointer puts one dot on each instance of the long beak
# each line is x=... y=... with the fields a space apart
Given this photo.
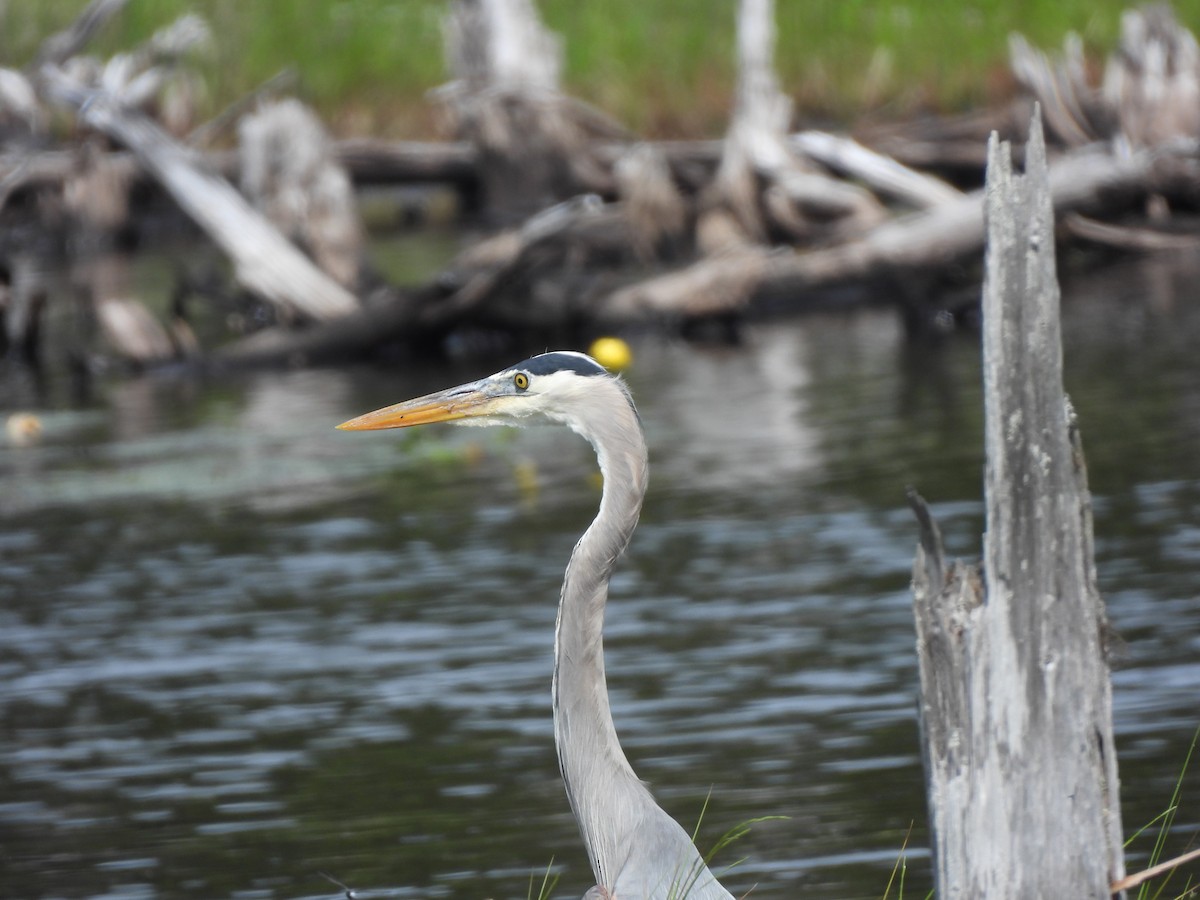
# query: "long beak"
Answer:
x=461 y=402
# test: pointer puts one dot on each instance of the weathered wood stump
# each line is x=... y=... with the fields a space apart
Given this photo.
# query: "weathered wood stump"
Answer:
x=1016 y=703
x=535 y=145
x=764 y=187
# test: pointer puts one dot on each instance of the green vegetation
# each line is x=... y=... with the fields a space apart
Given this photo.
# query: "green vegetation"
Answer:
x=900 y=870
x=549 y=883
x=1155 y=889
x=730 y=837
x=664 y=68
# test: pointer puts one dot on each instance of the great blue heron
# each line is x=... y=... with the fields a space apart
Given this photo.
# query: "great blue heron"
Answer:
x=637 y=851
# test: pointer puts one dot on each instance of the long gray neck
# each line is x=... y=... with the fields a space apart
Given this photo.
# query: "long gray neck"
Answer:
x=605 y=795
x=637 y=851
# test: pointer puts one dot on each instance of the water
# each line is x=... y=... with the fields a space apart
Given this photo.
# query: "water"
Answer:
x=239 y=648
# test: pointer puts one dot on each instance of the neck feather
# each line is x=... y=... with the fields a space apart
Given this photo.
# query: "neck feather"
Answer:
x=599 y=780
x=635 y=848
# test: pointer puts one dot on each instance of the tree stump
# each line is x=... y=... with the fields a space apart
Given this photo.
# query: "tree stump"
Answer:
x=1016 y=703
x=535 y=146
x=763 y=189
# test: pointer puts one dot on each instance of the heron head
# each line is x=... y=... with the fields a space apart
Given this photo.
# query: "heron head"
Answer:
x=563 y=386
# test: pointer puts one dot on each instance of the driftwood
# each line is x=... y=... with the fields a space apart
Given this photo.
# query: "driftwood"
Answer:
x=496 y=283
x=368 y=161
x=267 y=265
x=929 y=240
x=881 y=173
x=152 y=77
x=1122 y=237
x=290 y=175
x=683 y=230
x=755 y=141
x=116 y=98
x=19 y=107
x=372 y=161
x=133 y=332
x=1016 y=705
x=1150 y=92
x=654 y=207
x=477 y=288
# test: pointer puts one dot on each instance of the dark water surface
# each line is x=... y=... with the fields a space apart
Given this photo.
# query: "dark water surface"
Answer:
x=238 y=647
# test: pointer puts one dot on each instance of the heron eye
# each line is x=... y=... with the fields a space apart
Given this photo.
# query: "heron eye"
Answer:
x=521 y=380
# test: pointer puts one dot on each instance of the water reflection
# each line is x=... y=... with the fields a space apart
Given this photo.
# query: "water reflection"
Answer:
x=739 y=418
x=240 y=648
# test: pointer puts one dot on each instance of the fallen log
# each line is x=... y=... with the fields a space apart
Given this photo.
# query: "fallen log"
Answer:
x=1081 y=181
x=475 y=289
x=1125 y=237
x=711 y=287
x=265 y=263
x=497 y=281
x=373 y=161
x=880 y=173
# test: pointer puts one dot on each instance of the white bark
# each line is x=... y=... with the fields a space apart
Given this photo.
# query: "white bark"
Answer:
x=879 y=172
x=290 y=174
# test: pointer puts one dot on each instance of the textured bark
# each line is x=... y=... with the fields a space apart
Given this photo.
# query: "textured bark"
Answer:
x=1016 y=704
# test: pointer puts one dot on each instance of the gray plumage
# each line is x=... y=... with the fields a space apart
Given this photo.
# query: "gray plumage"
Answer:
x=637 y=851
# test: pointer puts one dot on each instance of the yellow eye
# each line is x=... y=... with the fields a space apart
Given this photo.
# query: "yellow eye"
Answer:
x=521 y=380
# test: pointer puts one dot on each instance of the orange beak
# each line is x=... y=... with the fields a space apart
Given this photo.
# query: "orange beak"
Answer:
x=466 y=401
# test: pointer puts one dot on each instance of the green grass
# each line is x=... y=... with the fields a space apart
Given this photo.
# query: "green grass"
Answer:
x=664 y=68
x=687 y=880
x=548 y=884
x=1156 y=888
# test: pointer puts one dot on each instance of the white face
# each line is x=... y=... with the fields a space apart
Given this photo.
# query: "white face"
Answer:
x=563 y=387
x=515 y=396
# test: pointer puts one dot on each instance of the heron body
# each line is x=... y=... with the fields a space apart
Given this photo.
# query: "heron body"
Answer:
x=637 y=851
